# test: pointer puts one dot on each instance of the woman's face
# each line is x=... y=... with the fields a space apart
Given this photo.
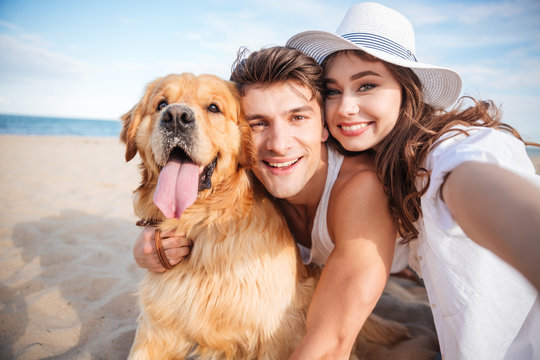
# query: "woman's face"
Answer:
x=362 y=103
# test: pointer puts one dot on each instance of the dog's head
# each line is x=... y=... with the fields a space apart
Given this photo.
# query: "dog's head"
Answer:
x=189 y=132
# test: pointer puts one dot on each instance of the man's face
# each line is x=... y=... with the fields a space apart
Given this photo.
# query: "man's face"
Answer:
x=288 y=133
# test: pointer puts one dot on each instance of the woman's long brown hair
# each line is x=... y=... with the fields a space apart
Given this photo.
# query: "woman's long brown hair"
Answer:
x=401 y=155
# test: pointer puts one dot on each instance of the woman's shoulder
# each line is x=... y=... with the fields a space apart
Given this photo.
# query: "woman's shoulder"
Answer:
x=356 y=167
x=478 y=139
x=357 y=194
x=477 y=144
x=473 y=134
x=357 y=176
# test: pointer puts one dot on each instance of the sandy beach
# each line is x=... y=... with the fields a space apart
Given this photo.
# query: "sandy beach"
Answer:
x=67 y=274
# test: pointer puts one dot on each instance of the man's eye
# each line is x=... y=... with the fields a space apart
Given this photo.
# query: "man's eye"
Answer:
x=213 y=108
x=162 y=104
x=257 y=125
x=298 y=117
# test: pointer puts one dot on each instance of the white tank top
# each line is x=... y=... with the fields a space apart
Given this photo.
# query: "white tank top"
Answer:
x=321 y=242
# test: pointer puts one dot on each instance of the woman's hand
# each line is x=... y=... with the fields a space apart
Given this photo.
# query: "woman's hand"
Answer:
x=176 y=246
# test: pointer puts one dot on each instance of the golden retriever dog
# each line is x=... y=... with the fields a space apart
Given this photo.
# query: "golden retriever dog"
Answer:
x=243 y=292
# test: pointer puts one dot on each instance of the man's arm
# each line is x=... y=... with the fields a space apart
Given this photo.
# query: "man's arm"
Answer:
x=500 y=211
x=356 y=272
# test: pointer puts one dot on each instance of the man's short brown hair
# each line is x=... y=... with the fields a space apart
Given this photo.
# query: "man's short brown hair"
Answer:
x=276 y=65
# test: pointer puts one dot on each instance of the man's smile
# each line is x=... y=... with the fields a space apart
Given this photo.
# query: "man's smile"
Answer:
x=281 y=166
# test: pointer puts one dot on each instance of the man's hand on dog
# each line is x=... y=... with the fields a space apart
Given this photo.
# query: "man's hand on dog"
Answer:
x=176 y=246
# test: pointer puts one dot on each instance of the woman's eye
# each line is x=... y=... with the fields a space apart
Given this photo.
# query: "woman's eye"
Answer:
x=161 y=105
x=367 y=87
x=213 y=108
x=331 y=92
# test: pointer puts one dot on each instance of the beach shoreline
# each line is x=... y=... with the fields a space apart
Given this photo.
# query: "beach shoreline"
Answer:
x=67 y=274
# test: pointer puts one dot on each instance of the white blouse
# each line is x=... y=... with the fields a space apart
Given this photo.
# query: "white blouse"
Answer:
x=482 y=307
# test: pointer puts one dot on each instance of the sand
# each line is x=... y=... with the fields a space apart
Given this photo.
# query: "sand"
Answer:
x=67 y=275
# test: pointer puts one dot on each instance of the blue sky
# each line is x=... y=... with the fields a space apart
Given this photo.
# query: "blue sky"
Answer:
x=92 y=59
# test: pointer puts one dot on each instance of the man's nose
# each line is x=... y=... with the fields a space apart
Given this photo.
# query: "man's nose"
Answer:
x=278 y=139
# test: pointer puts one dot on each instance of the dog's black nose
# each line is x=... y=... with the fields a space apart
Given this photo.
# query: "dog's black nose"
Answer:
x=177 y=117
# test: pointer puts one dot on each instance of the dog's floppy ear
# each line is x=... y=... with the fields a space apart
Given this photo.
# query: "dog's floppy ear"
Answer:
x=132 y=119
x=248 y=155
x=127 y=136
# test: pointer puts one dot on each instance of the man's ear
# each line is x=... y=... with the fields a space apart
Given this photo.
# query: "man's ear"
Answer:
x=324 y=134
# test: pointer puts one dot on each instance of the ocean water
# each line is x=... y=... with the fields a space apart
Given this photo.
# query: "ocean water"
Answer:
x=533 y=151
x=36 y=125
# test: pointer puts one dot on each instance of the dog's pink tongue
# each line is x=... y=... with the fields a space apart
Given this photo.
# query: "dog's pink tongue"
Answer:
x=177 y=187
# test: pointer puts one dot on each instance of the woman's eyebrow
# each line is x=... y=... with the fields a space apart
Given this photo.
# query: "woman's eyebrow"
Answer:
x=364 y=73
x=356 y=76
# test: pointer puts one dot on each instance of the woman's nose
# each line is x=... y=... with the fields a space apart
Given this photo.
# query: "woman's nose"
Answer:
x=348 y=106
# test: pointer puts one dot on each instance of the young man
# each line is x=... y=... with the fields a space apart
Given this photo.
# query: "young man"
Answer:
x=335 y=206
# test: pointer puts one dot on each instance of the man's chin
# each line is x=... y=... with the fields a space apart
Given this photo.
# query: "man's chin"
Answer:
x=281 y=187
x=282 y=192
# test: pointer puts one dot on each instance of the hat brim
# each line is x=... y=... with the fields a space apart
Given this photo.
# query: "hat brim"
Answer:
x=441 y=86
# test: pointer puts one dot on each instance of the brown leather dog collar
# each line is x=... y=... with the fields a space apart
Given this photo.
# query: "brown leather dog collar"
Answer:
x=147 y=222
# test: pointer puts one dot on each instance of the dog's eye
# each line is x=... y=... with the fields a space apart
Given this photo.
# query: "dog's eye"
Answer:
x=213 y=108
x=161 y=105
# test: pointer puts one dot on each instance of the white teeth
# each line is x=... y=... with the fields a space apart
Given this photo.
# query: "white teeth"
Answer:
x=282 y=164
x=354 y=127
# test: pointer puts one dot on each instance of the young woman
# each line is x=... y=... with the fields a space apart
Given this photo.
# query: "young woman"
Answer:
x=460 y=183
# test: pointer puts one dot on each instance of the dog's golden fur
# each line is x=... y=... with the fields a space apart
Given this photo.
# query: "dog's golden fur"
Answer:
x=243 y=292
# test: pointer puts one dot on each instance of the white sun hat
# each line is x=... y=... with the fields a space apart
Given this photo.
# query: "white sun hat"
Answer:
x=387 y=35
